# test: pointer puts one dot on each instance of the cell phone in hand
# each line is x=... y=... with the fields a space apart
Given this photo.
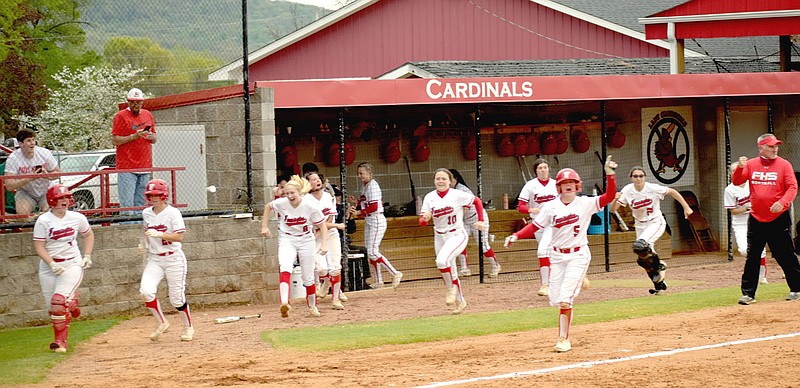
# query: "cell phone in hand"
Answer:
x=147 y=128
x=38 y=169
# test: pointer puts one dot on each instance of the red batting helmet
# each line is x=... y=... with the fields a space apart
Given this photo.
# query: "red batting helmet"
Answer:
x=391 y=154
x=332 y=154
x=568 y=174
x=57 y=192
x=533 y=145
x=548 y=144
x=505 y=147
x=157 y=187
x=471 y=149
x=617 y=138
x=520 y=145
x=561 y=142
x=580 y=141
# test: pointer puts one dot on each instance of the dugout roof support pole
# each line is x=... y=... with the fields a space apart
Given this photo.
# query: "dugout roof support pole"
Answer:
x=248 y=141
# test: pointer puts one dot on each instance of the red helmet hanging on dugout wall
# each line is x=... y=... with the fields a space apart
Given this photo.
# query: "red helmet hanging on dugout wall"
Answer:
x=157 y=187
x=616 y=139
x=561 y=142
x=391 y=154
x=505 y=147
x=549 y=145
x=471 y=149
x=57 y=192
x=533 y=145
x=568 y=174
x=580 y=141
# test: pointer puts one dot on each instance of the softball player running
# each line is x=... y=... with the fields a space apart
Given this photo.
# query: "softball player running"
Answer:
x=534 y=194
x=644 y=199
x=569 y=216
x=371 y=203
x=329 y=266
x=164 y=229
x=55 y=240
x=297 y=217
x=445 y=207
x=470 y=218
x=737 y=200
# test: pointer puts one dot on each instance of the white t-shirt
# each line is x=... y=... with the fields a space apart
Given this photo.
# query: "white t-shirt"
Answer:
x=169 y=220
x=18 y=164
x=60 y=234
x=570 y=222
x=447 y=211
x=536 y=193
x=736 y=197
x=646 y=204
x=297 y=221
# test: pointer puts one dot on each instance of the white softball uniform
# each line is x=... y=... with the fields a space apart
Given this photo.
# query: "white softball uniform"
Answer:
x=447 y=213
x=330 y=263
x=165 y=259
x=471 y=217
x=569 y=253
x=737 y=197
x=646 y=210
x=60 y=236
x=296 y=235
x=535 y=194
x=375 y=222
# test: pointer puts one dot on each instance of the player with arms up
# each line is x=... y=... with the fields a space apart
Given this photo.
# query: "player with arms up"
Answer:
x=297 y=217
x=55 y=240
x=569 y=216
x=534 y=194
x=445 y=206
x=164 y=229
x=644 y=199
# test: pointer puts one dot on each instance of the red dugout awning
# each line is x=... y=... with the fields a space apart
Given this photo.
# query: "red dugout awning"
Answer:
x=342 y=93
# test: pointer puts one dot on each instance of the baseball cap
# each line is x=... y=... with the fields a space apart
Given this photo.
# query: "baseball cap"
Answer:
x=135 y=95
x=770 y=140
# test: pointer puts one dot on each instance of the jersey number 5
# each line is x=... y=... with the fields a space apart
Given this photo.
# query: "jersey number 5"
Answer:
x=576 y=230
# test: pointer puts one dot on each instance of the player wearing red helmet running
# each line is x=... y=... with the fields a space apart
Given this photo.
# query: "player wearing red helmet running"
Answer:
x=569 y=215
x=61 y=268
x=164 y=231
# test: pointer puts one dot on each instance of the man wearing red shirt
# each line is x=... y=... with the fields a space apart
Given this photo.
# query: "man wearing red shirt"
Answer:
x=773 y=187
x=134 y=132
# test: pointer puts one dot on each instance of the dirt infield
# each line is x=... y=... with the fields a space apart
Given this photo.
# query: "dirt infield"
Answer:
x=233 y=355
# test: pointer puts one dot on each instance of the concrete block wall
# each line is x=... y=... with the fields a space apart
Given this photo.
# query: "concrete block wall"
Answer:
x=228 y=263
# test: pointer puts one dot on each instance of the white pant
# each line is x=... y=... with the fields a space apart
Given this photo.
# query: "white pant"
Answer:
x=651 y=231
x=65 y=284
x=567 y=271
x=330 y=263
x=448 y=246
x=301 y=247
x=171 y=267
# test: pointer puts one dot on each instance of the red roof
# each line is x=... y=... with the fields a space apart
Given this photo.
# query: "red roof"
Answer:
x=726 y=18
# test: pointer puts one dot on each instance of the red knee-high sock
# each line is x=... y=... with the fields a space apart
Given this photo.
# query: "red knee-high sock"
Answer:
x=336 y=285
x=376 y=268
x=311 y=295
x=155 y=309
x=457 y=285
x=763 y=269
x=447 y=276
x=387 y=264
x=490 y=254
x=564 y=322
x=544 y=270
x=283 y=287
x=186 y=316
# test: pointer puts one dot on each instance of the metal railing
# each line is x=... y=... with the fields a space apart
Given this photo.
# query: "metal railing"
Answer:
x=106 y=207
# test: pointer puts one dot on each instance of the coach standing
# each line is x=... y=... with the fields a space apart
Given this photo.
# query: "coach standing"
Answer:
x=134 y=132
x=773 y=187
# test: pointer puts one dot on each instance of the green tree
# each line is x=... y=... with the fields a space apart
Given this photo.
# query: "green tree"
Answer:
x=141 y=53
x=37 y=39
x=81 y=110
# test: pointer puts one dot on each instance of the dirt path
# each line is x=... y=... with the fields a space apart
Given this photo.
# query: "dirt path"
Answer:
x=232 y=354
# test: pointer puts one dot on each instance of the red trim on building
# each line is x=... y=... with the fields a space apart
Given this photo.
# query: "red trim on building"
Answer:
x=319 y=94
x=191 y=98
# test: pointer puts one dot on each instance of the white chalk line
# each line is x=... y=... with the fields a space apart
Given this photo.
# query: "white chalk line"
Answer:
x=589 y=364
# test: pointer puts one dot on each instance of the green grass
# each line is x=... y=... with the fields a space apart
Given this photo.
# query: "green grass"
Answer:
x=25 y=357
x=405 y=331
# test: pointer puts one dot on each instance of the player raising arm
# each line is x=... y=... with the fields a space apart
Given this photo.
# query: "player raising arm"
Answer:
x=569 y=215
x=445 y=206
x=297 y=218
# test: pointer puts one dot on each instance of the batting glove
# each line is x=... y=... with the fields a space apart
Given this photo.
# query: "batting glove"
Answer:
x=510 y=240
x=58 y=269
x=610 y=166
x=154 y=233
x=86 y=262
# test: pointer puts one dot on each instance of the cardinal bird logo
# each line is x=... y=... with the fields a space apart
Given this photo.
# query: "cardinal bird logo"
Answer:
x=668 y=147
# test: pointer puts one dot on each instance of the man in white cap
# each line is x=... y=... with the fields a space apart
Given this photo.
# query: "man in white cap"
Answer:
x=134 y=132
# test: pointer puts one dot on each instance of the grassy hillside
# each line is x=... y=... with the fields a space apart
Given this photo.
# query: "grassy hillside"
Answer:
x=200 y=25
